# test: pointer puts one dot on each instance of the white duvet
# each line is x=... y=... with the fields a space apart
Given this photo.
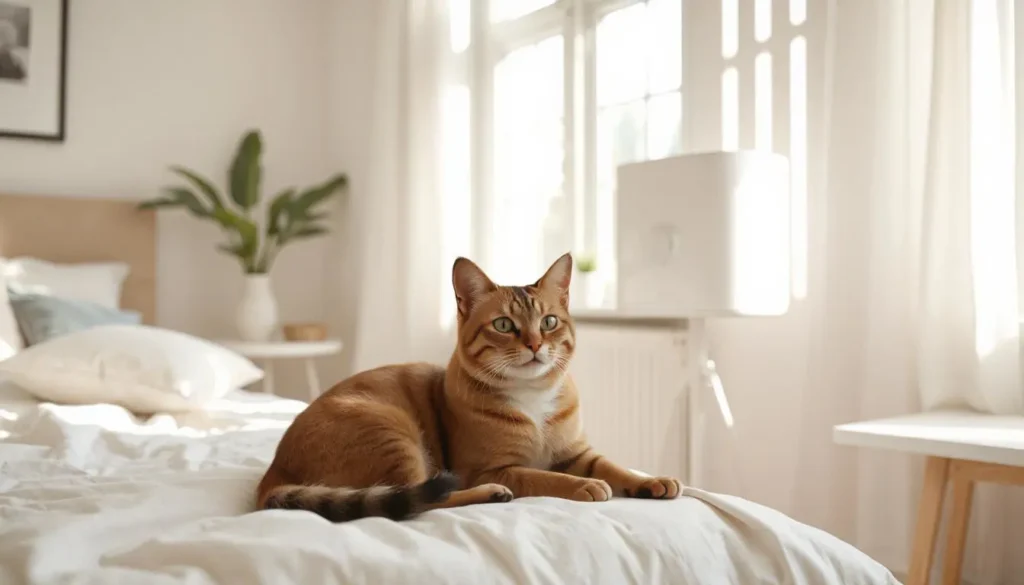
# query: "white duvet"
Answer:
x=90 y=494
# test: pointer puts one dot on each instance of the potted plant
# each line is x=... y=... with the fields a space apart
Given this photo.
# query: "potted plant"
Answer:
x=291 y=215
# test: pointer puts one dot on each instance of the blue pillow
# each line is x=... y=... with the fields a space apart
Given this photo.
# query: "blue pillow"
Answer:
x=41 y=317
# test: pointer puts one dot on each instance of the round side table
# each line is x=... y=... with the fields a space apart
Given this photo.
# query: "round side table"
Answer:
x=269 y=351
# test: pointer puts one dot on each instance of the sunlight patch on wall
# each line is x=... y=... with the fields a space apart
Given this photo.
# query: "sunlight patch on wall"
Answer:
x=458 y=18
x=730 y=28
x=730 y=109
x=798 y=161
x=797 y=12
x=763 y=111
x=762 y=20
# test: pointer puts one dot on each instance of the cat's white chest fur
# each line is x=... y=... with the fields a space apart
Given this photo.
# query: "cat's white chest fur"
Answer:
x=535 y=404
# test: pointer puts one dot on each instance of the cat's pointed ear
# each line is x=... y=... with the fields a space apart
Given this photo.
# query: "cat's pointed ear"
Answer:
x=558 y=277
x=470 y=283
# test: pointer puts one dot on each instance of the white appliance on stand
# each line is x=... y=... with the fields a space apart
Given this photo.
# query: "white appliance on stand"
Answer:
x=703 y=235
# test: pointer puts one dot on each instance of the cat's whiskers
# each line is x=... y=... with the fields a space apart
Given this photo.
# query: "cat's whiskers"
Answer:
x=503 y=363
x=492 y=372
x=562 y=363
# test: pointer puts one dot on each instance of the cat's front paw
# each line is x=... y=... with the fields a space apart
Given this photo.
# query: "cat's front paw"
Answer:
x=592 y=490
x=659 y=488
x=498 y=493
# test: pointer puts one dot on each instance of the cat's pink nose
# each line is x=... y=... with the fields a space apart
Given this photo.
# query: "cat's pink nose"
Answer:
x=533 y=345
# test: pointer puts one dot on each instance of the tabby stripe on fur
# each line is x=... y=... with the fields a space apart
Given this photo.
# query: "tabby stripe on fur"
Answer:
x=507 y=416
x=345 y=504
x=479 y=330
x=563 y=414
x=563 y=466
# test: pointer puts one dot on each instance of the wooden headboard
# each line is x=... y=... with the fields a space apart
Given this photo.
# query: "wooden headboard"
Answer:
x=74 y=229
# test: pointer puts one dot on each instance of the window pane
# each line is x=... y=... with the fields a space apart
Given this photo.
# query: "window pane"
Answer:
x=621 y=55
x=621 y=138
x=528 y=161
x=502 y=10
x=665 y=45
x=664 y=125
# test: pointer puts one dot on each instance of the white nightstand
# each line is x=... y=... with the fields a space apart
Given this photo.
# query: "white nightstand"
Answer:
x=267 y=352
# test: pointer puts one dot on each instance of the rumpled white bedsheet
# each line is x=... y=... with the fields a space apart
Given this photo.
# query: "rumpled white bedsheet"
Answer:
x=90 y=494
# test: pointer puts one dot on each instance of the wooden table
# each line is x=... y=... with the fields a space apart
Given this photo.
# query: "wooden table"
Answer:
x=962 y=448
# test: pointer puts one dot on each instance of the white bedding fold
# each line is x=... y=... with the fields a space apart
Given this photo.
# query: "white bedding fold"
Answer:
x=89 y=494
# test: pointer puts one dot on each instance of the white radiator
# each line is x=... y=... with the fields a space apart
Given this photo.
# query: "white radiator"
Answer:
x=633 y=381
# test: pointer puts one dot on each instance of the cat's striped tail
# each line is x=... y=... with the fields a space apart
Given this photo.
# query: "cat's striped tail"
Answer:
x=339 y=504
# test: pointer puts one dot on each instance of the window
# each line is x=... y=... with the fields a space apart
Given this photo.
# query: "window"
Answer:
x=562 y=92
x=764 y=96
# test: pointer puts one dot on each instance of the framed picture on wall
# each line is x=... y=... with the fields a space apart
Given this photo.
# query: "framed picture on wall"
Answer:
x=33 y=64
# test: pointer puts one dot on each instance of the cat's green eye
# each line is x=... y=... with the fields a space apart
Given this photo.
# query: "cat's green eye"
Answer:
x=503 y=324
x=548 y=323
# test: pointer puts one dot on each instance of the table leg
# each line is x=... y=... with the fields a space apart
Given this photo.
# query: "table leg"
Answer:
x=929 y=513
x=312 y=379
x=268 y=377
x=956 y=535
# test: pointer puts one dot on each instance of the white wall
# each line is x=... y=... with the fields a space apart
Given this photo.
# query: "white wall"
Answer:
x=353 y=47
x=153 y=83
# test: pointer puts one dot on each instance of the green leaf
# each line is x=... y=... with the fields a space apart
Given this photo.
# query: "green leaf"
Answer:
x=158 y=202
x=311 y=197
x=244 y=229
x=233 y=249
x=276 y=211
x=231 y=220
x=203 y=185
x=245 y=171
x=237 y=251
x=309 y=231
x=189 y=200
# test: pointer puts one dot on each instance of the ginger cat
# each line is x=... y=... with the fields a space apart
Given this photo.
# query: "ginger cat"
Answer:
x=501 y=421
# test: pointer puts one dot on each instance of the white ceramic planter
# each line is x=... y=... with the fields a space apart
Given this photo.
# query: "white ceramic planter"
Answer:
x=256 y=318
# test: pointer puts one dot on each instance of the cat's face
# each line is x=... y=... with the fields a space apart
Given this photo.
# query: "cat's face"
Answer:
x=511 y=335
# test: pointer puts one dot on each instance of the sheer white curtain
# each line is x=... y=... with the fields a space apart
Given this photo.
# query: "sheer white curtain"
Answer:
x=911 y=299
x=970 y=332
x=405 y=268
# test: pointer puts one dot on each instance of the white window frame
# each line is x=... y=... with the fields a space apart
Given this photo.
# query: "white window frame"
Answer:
x=1018 y=95
x=576 y=21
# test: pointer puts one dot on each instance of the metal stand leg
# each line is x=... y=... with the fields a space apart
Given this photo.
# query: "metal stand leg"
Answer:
x=312 y=379
x=698 y=358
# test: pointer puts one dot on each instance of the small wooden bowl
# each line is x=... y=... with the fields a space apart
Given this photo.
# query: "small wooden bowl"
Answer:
x=304 y=331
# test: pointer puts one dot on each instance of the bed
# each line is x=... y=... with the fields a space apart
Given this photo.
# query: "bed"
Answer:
x=91 y=492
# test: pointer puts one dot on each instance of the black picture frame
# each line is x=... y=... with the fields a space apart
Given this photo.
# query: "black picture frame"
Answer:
x=61 y=114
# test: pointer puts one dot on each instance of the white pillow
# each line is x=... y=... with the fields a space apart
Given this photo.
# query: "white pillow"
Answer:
x=142 y=368
x=11 y=341
x=95 y=282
